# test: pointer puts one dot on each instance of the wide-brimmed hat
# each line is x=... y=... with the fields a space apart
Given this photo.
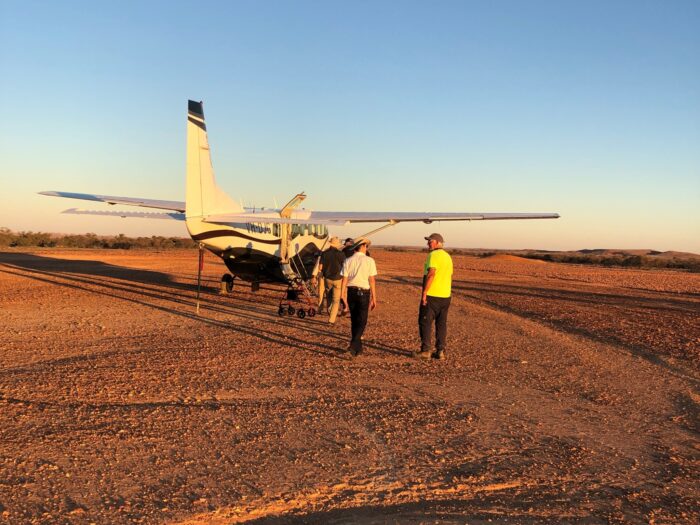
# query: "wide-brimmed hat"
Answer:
x=362 y=240
x=334 y=242
x=435 y=237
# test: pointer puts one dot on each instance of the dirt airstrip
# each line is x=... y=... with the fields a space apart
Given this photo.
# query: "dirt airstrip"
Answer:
x=570 y=395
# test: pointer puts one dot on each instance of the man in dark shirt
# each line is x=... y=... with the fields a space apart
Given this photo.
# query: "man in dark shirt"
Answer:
x=349 y=247
x=329 y=270
x=348 y=251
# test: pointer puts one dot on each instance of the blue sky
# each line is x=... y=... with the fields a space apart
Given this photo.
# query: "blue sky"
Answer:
x=589 y=109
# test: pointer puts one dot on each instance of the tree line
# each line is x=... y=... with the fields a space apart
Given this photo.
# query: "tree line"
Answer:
x=626 y=261
x=8 y=238
x=622 y=260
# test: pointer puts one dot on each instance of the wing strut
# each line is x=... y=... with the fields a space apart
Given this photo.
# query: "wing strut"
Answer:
x=376 y=230
x=286 y=213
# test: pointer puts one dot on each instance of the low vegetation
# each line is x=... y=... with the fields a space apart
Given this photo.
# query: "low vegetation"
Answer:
x=650 y=259
x=8 y=238
x=619 y=258
x=622 y=259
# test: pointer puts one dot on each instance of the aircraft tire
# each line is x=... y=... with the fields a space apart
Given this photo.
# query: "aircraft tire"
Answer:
x=291 y=311
x=311 y=312
x=281 y=311
x=227 y=283
x=301 y=313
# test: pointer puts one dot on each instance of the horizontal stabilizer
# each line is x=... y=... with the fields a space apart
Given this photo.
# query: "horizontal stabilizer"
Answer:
x=129 y=201
x=178 y=216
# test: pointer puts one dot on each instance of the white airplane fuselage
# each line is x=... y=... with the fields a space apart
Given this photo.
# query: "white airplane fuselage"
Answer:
x=252 y=251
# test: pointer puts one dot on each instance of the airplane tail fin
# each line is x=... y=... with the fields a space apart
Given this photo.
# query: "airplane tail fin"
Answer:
x=203 y=197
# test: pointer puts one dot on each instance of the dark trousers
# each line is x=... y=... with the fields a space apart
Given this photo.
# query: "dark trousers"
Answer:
x=358 y=304
x=435 y=311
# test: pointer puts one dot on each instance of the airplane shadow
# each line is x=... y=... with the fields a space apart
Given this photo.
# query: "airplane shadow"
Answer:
x=52 y=265
x=476 y=508
x=144 y=287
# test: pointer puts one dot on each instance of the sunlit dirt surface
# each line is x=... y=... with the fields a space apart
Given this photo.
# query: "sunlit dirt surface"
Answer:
x=570 y=395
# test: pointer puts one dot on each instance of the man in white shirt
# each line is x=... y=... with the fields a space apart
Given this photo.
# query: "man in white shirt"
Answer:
x=358 y=290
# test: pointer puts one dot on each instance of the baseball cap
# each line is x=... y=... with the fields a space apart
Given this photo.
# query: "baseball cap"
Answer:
x=435 y=237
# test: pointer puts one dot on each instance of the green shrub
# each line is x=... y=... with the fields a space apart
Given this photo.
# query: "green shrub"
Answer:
x=90 y=240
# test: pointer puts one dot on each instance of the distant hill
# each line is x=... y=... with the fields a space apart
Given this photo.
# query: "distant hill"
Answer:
x=506 y=257
x=647 y=253
x=631 y=258
x=625 y=258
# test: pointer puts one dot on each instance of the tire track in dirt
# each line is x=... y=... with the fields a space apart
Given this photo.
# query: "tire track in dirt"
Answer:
x=162 y=416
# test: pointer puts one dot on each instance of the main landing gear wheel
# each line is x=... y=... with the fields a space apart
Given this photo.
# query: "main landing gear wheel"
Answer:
x=311 y=312
x=301 y=314
x=291 y=310
x=226 y=283
x=281 y=311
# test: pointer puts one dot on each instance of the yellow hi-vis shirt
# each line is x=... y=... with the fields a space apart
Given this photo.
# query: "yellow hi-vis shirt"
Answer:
x=442 y=281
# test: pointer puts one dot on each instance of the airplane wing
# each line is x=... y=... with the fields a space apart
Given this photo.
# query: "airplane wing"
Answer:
x=129 y=201
x=344 y=218
x=427 y=217
x=273 y=216
x=138 y=214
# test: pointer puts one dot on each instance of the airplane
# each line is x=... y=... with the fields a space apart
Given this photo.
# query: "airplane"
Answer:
x=257 y=245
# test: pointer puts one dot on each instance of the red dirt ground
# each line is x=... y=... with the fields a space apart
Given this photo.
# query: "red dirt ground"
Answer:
x=570 y=395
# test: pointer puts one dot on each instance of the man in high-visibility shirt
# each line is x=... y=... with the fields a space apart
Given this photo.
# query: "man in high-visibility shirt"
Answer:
x=435 y=299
